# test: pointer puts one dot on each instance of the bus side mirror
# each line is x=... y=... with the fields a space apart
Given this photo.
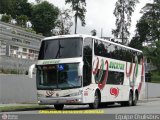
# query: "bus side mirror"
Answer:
x=80 y=69
x=31 y=68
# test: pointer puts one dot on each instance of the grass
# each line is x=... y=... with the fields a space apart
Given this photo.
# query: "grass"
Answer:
x=155 y=77
x=18 y=108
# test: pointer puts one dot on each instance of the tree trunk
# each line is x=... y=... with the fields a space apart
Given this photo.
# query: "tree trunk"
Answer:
x=123 y=24
x=75 y=24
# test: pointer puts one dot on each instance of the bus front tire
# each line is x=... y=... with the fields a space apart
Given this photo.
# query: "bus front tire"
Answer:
x=96 y=102
x=135 y=99
x=59 y=106
x=129 y=102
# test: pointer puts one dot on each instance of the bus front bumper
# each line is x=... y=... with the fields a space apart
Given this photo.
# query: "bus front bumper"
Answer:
x=59 y=100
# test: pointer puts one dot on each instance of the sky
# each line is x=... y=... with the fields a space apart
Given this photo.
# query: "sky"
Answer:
x=99 y=16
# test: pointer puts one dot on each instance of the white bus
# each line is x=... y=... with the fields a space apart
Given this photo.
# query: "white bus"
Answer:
x=82 y=69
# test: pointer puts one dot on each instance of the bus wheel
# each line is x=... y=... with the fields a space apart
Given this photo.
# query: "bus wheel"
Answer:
x=59 y=106
x=96 y=102
x=135 y=100
x=130 y=101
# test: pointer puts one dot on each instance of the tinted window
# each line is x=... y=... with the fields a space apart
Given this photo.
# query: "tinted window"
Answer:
x=87 y=58
x=140 y=56
x=113 y=51
x=61 y=48
x=61 y=76
x=116 y=78
x=100 y=48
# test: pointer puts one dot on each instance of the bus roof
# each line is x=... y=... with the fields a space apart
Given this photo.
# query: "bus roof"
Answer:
x=94 y=37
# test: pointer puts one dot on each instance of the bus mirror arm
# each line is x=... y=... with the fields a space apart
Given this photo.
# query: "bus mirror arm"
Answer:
x=80 y=68
x=31 y=68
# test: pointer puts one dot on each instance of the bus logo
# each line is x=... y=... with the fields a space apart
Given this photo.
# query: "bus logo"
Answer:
x=57 y=95
x=49 y=93
x=114 y=91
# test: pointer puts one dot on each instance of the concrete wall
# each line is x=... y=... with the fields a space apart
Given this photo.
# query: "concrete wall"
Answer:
x=153 y=90
x=21 y=89
x=17 y=89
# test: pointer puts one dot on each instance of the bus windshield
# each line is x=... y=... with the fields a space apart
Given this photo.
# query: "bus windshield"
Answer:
x=62 y=76
x=60 y=48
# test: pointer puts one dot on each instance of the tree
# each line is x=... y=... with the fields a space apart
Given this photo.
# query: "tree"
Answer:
x=6 y=18
x=148 y=27
x=78 y=6
x=44 y=17
x=23 y=8
x=142 y=29
x=151 y=20
x=7 y=6
x=22 y=20
x=93 y=32
x=16 y=8
x=123 y=12
x=153 y=52
x=64 y=22
x=136 y=43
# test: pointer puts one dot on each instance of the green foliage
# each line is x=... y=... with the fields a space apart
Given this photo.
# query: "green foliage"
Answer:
x=12 y=108
x=16 y=8
x=78 y=6
x=6 y=18
x=64 y=22
x=142 y=29
x=23 y=8
x=153 y=53
x=148 y=27
x=44 y=18
x=155 y=77
x=20 y=10
x=30 y=30
x=123 y=12
x=11 y=71
x=7 y=6
x=22 y=20
x=136 y=43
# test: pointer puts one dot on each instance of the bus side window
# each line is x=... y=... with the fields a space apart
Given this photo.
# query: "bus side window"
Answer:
x=140 y=56
x=129 y=55
x=87 y=58
x=95 y=47
x=115 y=78
x=107 y=47
x=111 y=51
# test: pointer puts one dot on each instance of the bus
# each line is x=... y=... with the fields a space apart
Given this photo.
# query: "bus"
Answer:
x=82 y=69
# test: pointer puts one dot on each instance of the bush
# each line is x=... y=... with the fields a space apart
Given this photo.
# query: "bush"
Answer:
x=11 y=71
x=6 y=18
x=155 y=77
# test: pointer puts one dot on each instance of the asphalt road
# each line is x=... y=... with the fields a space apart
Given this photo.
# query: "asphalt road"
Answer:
x=151 y=106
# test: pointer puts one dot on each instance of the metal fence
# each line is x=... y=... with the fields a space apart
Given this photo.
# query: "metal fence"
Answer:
x=15 y=65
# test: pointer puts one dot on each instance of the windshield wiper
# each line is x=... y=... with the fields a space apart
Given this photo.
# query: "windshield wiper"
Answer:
x=59 y=48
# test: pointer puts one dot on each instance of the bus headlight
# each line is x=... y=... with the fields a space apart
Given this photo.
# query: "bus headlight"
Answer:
x=40 y=95
x=77 y=93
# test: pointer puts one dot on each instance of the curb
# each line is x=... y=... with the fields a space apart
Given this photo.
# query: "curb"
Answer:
x=26 y=109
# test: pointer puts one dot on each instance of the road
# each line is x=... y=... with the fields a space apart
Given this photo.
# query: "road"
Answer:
x=151 y=106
